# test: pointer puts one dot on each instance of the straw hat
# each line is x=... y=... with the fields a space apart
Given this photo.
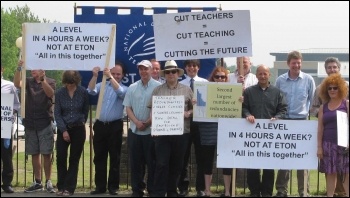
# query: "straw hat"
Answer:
x=171 y=65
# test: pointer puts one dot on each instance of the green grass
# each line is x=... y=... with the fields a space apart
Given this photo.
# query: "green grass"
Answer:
x=86 y=176
x=25 y=178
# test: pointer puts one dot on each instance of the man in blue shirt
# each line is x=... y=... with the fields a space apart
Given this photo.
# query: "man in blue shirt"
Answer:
x=298 y=88
x=140 y=141
x=108 y=129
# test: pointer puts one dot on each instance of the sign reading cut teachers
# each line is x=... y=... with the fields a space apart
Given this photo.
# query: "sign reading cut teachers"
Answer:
x=198 y=35
x=168 y=115
x=67 y=46
x=265 y=144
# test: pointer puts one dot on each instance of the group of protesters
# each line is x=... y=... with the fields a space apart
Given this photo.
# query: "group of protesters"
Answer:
x=159 y=163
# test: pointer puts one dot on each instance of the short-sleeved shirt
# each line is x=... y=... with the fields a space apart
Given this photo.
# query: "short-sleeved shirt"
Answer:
x=249 y=79
x=137 y=98
x=38 y=106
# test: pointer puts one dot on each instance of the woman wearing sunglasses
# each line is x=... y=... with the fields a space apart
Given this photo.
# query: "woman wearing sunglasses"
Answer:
x=334 y=159
x=208 y=136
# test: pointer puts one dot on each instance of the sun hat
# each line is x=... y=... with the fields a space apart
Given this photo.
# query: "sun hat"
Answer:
x=171 y=65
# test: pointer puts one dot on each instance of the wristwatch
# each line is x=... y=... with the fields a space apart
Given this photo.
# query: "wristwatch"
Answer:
x=19 y=68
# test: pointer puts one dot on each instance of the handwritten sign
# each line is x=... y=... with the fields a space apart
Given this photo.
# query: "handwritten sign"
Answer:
x=222 y=102
x=168 y=115
x=202 y=35
x=279 y=144
x=6 y=115
x=67 y=46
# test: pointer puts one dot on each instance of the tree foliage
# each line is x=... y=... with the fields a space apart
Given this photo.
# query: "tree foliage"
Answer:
x=11 y=28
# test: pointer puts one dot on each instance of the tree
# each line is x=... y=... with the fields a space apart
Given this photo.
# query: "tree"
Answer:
x=11 y=28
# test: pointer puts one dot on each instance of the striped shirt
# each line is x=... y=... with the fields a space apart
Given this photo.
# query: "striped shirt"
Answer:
x=298 y=92
x=137 y=97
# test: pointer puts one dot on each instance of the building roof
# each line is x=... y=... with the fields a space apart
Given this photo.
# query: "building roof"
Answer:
x=318 y=51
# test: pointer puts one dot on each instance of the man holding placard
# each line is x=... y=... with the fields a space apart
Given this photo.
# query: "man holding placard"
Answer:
x=192 y=67
x=299 y=89
x=247 y=78
x=140 y=141
x=7 y=87
x=38 y=120
x=262 y=101
x=108 y=129
x=169 y=148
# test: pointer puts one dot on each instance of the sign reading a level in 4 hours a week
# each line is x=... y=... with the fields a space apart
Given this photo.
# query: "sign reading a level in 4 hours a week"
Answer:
x=201 y=35
x=68 y=46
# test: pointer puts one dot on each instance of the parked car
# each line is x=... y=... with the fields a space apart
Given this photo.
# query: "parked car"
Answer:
x=18 y=131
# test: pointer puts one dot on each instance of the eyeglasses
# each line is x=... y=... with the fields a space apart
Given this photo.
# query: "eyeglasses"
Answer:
x=217 y=77
x=171 y=71
x=334 y=88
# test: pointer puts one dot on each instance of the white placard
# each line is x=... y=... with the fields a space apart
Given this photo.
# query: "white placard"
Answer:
x=168 y=115
x=198 y=35
x=279 y=144
x=67 y=46
x=6 y=115
x=343 y=128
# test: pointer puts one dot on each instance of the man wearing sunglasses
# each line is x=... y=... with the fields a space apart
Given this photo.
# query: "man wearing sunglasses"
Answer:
x=192 y=67
x=299 y=89
x=332 y=66
x=170 y=149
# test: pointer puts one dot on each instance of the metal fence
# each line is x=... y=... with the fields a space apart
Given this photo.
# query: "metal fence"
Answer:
x=24 y=173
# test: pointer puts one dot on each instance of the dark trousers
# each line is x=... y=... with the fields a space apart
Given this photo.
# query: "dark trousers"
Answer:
x=7 y=165
x=195 y=139
x=257 y=185
x=67 y=178
x=141 y=152
x=107 y=140
x=208 y=161
x=170 y=151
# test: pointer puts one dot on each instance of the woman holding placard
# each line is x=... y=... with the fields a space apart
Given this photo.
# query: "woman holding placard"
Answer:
x=334 y=159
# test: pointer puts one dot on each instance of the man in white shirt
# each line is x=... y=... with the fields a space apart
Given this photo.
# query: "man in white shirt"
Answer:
x=247 y=77
x=192 y=67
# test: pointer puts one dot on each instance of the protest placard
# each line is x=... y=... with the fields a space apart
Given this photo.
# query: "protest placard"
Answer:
x=189 y=35
x=265 y=144
x=168 y=115
x=343 y=129
x=222 y=102
x=67 y=46
x=6 y=115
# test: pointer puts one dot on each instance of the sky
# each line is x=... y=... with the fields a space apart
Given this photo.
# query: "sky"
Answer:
x=275 y=26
